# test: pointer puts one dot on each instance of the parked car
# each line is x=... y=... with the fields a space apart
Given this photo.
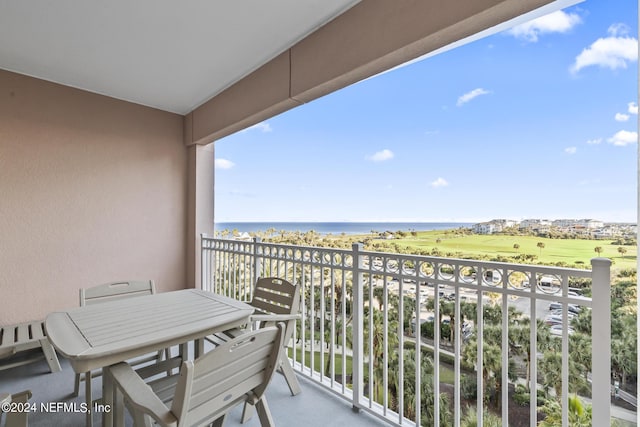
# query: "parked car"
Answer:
x=572 y=308
x=557 y=330
x=559 y=312
x=552 y=319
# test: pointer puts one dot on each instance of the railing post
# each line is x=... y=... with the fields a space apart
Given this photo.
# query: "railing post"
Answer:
x=203 y=273
x=357 y=328
x=257 y=263
x=601 y=341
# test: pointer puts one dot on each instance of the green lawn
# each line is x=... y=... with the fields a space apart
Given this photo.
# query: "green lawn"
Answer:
x=555 y=250
x=446 y=373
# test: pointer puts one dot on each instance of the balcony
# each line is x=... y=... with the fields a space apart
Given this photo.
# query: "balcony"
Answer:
x=359 y=339
x=333 y=357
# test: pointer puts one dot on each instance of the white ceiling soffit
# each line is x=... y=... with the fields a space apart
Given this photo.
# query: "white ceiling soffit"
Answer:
x=167 y=54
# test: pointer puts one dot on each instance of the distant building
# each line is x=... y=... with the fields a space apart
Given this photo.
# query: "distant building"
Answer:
x=564 y=223
x=505 y=223
x=605 y=233
x=590 y=224
x=535 y=224
x=493 y=226
x=244 y=236
x=484 y=228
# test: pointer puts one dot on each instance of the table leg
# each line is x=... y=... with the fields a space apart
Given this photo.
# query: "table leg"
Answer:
x=198 y=348
x=183 y=350
x=88 y=397
x=107 y=398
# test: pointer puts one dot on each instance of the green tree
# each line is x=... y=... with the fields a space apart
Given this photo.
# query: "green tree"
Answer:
x=541 y=246
x=598 y=250
x=516 y=246
x=427 y=395
x=491 y=370
x=376 y=336
x=579 y=413
x=622 y=251
x=520 y=339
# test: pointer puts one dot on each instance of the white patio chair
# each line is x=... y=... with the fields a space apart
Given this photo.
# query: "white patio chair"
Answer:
x=16 y=418
x=275 y=300
x=114 y=291
x=206 y=389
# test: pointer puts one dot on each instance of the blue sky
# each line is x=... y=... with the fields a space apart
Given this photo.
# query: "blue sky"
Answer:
x=539 y=121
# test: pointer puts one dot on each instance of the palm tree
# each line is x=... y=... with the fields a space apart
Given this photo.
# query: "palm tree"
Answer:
x=519 y=341
x=541 y=246
x=491 y=366
x=470 y=418
x=622 y=251
x=516 y=246
x=598 y=250
x=551 y=369
x=579 y=413
x=427 y=395
x=580 y=352
x=376 y=336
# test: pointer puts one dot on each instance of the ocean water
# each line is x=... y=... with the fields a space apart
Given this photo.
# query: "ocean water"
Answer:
x=338 y=227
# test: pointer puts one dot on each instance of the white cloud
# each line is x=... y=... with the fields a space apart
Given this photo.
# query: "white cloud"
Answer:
x=612 y=52
x=623 y=138
x=556 y=22
x=262 y=126
x=621 y=117
x=633 y=108
x=381 y=156
x=224 y=164
x=571 y=150
x=618 y=29
x=470 y=95
x=440 y=182
x=594 y=141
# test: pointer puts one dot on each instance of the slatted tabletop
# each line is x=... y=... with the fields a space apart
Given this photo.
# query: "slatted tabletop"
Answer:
x=99 y=335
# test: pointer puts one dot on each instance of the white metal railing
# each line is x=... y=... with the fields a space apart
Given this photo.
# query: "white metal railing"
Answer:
x=353 y=315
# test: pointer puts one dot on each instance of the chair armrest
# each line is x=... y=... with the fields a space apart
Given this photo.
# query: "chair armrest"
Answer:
x=140 y=395
x=5 y=397
x=274 y=317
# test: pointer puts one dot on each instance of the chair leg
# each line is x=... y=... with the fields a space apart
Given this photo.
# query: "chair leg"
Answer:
x=289 y=374
x=219 y=422
x=19 y=418
x=263 y=413
x=50 y=355
x=107 y=398
x=247 y=412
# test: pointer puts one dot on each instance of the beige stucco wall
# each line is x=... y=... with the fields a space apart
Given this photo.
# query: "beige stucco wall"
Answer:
x=92 y=190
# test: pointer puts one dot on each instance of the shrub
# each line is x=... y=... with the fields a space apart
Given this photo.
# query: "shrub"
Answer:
x=468 y=387
x=522 y=398
x=427 y=329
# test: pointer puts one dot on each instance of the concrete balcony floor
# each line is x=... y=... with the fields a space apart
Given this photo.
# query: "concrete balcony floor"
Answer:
x=313 y=407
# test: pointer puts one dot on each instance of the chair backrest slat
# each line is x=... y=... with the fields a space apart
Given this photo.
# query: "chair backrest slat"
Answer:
x=273 y=295
x=116 y=290
x=276 y=296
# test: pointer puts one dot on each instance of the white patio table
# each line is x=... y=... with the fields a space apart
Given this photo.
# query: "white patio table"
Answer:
x=99 y=335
